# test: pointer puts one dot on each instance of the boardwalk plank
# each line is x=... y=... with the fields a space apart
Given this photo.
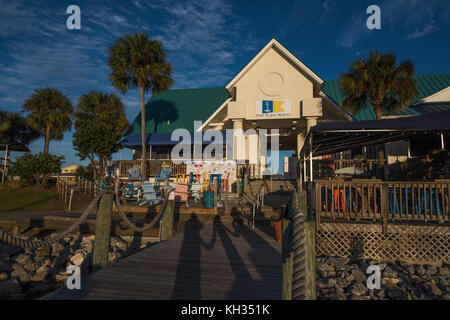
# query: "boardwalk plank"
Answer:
x=210 y=261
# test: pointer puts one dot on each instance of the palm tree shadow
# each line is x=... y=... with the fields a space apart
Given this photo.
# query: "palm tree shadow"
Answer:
x=162 y=112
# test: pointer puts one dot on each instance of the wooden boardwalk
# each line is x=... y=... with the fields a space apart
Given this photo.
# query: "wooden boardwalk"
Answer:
x=207 y=261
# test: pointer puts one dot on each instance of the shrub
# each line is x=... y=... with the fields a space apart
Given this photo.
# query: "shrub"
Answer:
x=38 y=167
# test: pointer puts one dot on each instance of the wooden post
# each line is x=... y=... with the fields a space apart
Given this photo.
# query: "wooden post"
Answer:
x=116 y=188
x=262 y=195
x=103 y=231
x=215 y=193
x=226 y=194
x=310 y=249
x=286 y=257
x=70 y=200
x=384 y=206
x=168 y=221
x=383 y=165
x=65 y=193
x=245 y=180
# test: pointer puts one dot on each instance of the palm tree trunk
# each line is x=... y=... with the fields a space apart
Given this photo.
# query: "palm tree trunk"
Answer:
x=143 y=136
x=47 y=138
x=378 y=111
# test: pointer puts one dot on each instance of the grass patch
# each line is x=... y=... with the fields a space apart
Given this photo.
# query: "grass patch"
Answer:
x=32 y=198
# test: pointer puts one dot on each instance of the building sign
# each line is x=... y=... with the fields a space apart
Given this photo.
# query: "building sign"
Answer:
x=225 y=168
x=273 y=108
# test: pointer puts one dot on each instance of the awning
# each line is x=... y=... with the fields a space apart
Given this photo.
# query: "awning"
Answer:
x=340 y=136
x=14 y=147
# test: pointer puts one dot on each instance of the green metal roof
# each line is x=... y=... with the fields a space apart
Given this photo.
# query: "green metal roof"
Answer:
x=426 y=85
x=427 y=107
x=176 y=109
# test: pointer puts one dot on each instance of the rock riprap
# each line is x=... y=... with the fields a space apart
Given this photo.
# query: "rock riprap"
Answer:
x=32 y=273
x=346 y=279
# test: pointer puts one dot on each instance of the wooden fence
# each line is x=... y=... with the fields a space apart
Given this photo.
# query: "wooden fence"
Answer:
x=382 y=201
x=153 y=167
x=411 y=243
x=65 y=192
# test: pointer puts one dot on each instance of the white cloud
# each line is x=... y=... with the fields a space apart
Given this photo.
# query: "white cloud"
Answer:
x=419 y=33
x=412 y=19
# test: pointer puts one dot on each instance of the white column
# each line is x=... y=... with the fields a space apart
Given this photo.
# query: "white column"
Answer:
x=300 y=143
x=310 y=122
x=238 y=139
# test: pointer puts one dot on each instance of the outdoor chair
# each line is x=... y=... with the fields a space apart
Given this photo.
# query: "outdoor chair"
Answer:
x=130 y=192
x=162 y=176
x=150 y=195
x=219 y=181
x=134 y=174
x=181 y=193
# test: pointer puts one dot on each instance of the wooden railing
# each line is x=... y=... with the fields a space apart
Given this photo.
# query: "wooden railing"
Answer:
x=370 y=163
x=253 y=172
x=153 y=167
x=65 y=192
x=382 y=201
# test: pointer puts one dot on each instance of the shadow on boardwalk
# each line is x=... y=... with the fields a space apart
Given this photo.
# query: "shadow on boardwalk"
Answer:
x=206 y=261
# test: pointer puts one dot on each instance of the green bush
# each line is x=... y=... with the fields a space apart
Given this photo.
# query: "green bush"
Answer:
x=37 y=167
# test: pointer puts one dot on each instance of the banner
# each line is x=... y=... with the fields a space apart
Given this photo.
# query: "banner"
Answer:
x=274 y=108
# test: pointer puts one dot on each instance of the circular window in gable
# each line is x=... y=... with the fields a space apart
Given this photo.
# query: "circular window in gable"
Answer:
x=272 y=83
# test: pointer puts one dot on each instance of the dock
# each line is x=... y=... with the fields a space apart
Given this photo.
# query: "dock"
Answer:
x=216 y=260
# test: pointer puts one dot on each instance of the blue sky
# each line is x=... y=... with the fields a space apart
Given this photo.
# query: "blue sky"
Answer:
x=207 y=41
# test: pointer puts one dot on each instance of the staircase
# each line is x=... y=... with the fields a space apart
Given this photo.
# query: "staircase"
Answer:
x=262 y=202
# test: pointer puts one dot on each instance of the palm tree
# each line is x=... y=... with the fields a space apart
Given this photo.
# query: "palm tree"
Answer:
x=378 y=80
x=138 y=62
x=14 y=129
x=49 y=112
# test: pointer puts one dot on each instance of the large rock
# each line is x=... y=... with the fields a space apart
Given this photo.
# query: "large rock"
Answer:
x=326 y=283
x=43 y=252
x=57 y=248
x=359 y=289
x=43 y=261
x=77 y=258
x=360 y=277
x=8 y=287
x=444 y=271
x=338 y=263
x=41 y=274
x=30 y=266
x=21 y=274
x=396 y=293
x=420 y=270
x=23 y=259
